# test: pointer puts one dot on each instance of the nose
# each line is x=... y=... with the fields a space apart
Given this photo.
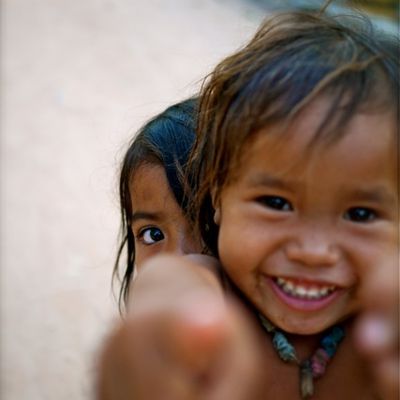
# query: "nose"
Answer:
x=313 y=247
x=185 y=244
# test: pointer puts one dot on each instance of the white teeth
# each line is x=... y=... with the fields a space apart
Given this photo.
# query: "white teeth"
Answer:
x=324 y=291
x=312 y=293
x=301 y=291
x=289 y=286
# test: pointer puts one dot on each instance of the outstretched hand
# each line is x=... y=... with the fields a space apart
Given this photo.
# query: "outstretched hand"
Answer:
x=377 y=334
x=182 y=339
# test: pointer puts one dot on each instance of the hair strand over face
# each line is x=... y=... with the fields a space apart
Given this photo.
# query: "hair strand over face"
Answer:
x=165 y=140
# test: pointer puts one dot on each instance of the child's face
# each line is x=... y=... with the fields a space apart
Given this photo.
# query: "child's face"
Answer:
x=295 y=236
x=158 y=223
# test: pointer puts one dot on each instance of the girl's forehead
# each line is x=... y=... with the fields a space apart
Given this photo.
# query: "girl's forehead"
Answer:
x=144 y=172
x=322 y=123
x=300 y=142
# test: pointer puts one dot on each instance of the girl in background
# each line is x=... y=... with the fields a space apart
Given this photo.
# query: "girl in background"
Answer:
x=152 y=199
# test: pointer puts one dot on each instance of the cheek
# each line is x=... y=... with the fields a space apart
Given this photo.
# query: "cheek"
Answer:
x=193 y=244
x=140 y=258
x=384 y=261
x=226 y=249
x=239 y=251
x=143 y=253
x=373 y=253
x=230 y=254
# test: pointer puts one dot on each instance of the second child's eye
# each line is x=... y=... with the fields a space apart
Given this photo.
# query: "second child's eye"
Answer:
x=276 y=203
x=360 y=214
x=151 y=235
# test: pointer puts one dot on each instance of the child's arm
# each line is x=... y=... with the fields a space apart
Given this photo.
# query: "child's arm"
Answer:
x=182 y=339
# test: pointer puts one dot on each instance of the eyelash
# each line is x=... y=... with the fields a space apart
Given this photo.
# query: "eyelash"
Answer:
x=365 y=215
x=150 y=241
x=359 y=215
x=276 y=203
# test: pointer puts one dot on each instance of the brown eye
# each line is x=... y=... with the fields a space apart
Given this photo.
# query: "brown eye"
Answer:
x=360 y=214
x=276 y=202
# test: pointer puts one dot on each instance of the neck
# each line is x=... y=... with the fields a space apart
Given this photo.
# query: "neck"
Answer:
x=307 y=344
x=285 y=343
x=311 y=353
x=304 y=344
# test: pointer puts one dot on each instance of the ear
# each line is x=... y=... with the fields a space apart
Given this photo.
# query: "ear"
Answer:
x=216 y=206
x=217 y=216
x=213 y=194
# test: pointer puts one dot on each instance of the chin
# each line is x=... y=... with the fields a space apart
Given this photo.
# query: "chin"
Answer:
x=305 y=330
x=302 y=325
x=308 y=322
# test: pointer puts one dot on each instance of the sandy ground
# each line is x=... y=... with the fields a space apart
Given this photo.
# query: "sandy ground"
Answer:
x=77 y=79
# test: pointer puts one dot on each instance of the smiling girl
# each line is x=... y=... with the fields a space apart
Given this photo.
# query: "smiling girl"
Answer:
x=296 y=174
x=297 y=169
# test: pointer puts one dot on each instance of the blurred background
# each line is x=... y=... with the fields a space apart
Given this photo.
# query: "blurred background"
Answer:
x=78 y=78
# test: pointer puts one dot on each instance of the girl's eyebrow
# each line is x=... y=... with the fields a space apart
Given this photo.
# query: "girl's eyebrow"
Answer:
x=138 y=215
x=264 y=179
x=378 y=194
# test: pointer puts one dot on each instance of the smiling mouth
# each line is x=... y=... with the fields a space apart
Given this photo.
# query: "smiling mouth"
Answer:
x=304 y=291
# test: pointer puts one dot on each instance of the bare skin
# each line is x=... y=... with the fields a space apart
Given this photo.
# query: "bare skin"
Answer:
x=158 y=222
x=377 y=334
x=182 y=340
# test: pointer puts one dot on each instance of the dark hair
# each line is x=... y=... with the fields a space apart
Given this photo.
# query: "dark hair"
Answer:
x=165 y=140
x=292 y=59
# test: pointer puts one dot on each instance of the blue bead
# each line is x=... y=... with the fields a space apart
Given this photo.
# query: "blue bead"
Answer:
x=331 y=341
x=285 y=350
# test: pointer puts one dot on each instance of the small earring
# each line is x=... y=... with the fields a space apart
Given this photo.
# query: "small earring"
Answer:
x=217 y=216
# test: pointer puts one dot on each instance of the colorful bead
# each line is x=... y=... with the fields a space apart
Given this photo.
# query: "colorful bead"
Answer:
x=285 y=350
x=319 y=361
x=330 y=342
x=306 y=380
x=315 y=366
x=266 y=324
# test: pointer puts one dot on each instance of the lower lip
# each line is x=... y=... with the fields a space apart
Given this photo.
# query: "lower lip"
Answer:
x=302 y=304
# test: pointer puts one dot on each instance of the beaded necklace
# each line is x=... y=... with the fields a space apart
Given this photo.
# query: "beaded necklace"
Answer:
x=315 y=366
